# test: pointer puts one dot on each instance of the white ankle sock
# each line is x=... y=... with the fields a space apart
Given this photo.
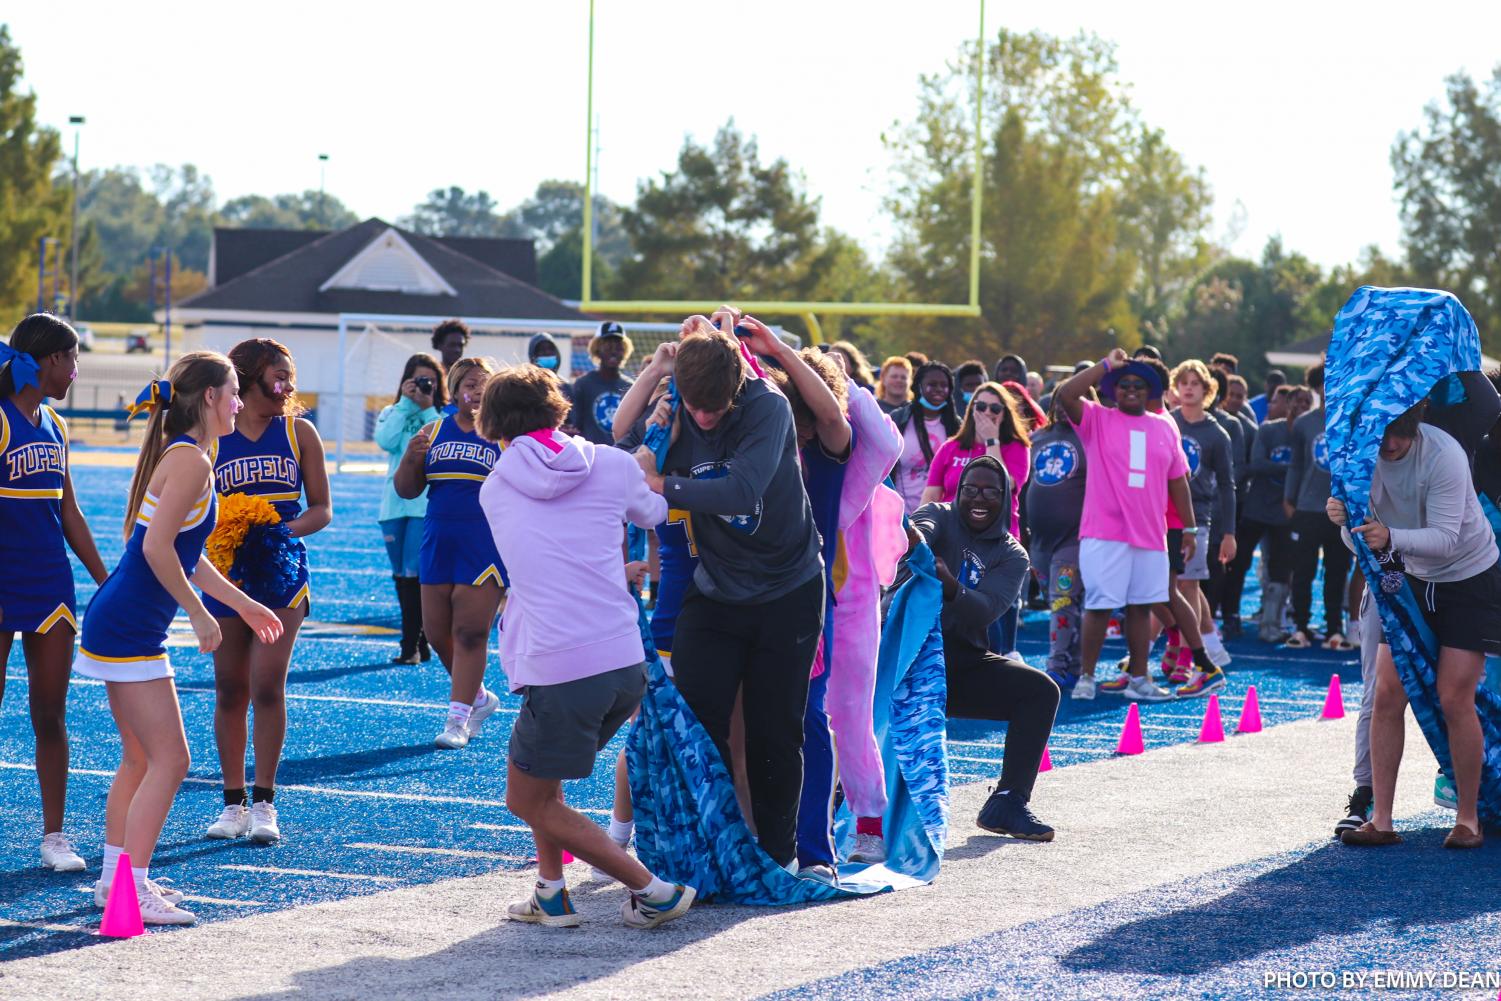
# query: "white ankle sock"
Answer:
x=140 y=874
x=620 y=830
x=658 y=891
x=112 y=855
x=459 y=709
x=483 y=697
x=551 y=886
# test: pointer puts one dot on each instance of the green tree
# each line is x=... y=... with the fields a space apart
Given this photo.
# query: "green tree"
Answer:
x=31 y=207
x=308 y=210
x=1078 y=193
x=453 y=211
x=723 y=225
x=1449 y=186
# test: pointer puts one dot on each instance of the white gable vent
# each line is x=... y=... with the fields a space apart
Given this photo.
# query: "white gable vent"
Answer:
x=389 y=264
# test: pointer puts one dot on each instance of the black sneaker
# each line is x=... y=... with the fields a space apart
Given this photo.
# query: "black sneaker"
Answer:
x=1231 y=628
x=1357 y=812
x=1004 y=813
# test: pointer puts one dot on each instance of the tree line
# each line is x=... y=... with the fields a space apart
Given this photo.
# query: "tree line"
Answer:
x=1095 y=230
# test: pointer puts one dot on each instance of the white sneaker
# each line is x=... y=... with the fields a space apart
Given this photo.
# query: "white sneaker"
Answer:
x=58 y=854
x=263 y=829
x=1141 y=689
x=600 y=874
x=155 y=910
x=1083 y=688
x=482 y=711
x=1016 y=655
x=232 y=823
x=171 y=896
x=455 y=735
x=869 y=849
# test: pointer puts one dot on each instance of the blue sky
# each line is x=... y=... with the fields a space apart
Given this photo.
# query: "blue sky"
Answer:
x=1290 y=108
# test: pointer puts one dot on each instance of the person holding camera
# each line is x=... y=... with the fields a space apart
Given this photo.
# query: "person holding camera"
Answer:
x=419 y=401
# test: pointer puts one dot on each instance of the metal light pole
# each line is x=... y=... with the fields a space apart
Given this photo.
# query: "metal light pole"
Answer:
x=322 y=169
x=166 y=255
x=77 y=122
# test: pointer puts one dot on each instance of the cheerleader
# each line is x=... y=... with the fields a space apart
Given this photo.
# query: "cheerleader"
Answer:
x=461 y=573
x=275 y=455
x=40 y=513
x=168 y=518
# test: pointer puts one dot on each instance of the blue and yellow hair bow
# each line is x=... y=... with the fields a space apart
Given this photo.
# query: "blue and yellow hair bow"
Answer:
x=156 y=395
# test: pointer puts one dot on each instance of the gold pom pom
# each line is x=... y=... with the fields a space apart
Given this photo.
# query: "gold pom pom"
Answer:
x=238 y=514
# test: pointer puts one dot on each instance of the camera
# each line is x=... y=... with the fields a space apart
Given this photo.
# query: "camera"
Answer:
x=424 y=385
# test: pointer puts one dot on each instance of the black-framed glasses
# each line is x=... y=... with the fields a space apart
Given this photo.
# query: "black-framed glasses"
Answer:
x=987 y=493
x=994 y=408
x=1138 y=385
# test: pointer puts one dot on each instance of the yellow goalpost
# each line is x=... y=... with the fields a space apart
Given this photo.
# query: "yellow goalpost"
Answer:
x=808 y=310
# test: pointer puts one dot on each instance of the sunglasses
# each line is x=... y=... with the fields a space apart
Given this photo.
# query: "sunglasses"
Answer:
x=1136 y=385
x=994 y=408
x=989 y=493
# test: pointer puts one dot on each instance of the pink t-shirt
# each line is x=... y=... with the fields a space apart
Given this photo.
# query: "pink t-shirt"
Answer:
x=949 y=462
x=911 y=472
x=1131 y=460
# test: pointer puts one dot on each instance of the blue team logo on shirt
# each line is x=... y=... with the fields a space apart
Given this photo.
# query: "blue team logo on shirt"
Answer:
x=1055 y=462
x=972 y=571
x=1282 y=455
x=1192 y=451
x=605 y=405
x=1321 y=452
x=747 y=523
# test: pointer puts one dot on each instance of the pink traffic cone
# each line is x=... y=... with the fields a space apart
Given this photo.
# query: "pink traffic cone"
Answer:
x=1250 y=713
x=122 y=909
x=567 y=857
x=1334 y=702
x=1212 y=731
x=1047 y=761
x=1131 y=742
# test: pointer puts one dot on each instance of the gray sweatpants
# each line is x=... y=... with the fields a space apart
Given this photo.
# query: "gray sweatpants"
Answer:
x=1065 y=589
x=1370 y=637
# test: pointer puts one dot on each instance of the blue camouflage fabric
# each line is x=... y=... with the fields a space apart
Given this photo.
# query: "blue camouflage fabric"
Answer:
x=1390 y=349
x=689 y=827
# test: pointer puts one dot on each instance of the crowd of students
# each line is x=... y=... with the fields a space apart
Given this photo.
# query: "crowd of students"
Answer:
x=1127 y=496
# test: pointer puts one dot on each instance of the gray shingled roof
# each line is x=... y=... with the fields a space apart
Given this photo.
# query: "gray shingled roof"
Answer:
x=289 y=283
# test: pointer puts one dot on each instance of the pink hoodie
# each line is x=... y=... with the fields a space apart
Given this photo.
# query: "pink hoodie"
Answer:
x=556 y=506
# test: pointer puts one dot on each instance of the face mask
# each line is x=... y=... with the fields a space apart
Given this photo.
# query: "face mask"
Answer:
x=931 y=406
x=548 y=361
x=967 y=397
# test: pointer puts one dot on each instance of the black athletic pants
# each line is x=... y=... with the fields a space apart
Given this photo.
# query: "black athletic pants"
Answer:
x=1311 y=532
x=716 y=649
x=1276 y=553
x=985 y=686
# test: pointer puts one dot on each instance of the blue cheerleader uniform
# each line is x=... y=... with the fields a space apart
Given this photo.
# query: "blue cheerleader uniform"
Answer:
x=36 y=578
x=457 y=547
x=125 y=627
x=270 y=467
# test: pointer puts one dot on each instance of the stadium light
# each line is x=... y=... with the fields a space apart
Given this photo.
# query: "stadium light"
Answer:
x=77 y=122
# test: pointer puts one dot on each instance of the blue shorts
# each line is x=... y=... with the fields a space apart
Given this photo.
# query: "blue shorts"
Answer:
x=36 y=592
x=290 y=596
x=459 y=551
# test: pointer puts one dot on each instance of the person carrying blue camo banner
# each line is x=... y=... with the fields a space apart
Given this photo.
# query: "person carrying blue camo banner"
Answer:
x=1400 y=486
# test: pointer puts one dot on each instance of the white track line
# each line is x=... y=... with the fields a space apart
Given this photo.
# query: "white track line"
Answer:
x=518 y=828
x=202 y=900
x=46 y=926
x=277 y=871
x=450 y=852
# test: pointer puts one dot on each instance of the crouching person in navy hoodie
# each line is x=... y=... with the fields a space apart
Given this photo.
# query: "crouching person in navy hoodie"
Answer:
x=555 y=505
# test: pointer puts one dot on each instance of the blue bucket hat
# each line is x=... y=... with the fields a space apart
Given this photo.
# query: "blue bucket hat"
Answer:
x=1145 y=372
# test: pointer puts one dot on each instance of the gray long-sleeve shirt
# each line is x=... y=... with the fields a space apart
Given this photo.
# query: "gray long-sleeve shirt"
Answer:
x=1271 y=457
x=990 y=568
x=1307 y=487
x=1211 y=471
x=743 y=485
x=1427 y=500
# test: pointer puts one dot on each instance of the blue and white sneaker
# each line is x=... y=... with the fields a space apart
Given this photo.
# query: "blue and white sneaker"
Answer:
x=1064 y=679
x=555 y=910
x=638 y=912
x=1444 y=793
